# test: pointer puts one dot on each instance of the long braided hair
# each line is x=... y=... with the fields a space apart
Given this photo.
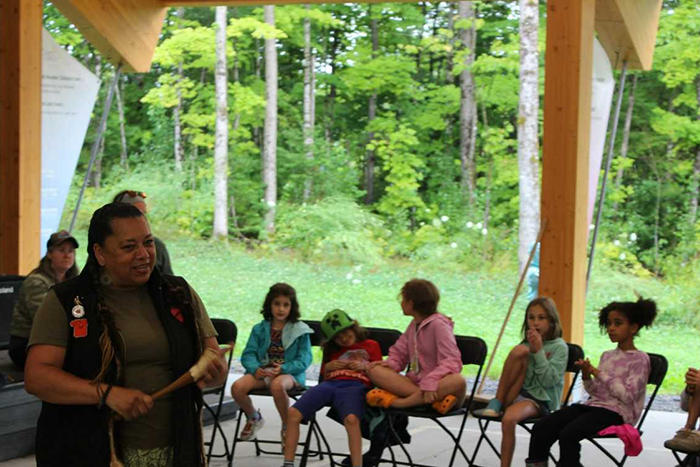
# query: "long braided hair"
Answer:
x=101 y=228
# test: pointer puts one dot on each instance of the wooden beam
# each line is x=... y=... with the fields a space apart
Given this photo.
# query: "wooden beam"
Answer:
x=20 y=135
x=124 y=31
x=627 y=30
x=567 y=126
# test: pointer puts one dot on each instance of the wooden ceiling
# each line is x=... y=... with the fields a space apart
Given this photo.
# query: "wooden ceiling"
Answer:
x=127 y=31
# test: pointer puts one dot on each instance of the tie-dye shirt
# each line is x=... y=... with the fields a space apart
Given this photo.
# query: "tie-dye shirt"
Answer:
x=621 y=385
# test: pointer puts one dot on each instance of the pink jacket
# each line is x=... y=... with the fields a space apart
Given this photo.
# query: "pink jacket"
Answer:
x=433 y=346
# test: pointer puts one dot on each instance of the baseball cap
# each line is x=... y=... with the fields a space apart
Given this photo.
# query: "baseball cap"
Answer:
x=57 y=238
x=334 y=322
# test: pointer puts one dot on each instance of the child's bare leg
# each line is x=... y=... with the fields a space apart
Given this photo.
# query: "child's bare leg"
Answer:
x=388 y=379
x=278 y=388
x=514 y=414
x=693 y=412
x=513 y=374
x=352 y=425
x=514 y=390
x=294 y=418
x=240 y=390
x=454 y=385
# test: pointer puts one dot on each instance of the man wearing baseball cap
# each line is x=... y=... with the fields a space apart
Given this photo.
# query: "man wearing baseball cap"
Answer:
x=56 y=266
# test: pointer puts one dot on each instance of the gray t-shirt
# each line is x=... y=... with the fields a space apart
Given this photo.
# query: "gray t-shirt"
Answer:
x=147 y=354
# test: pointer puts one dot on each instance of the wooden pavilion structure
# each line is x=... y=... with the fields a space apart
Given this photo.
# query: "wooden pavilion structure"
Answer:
x=127 y=31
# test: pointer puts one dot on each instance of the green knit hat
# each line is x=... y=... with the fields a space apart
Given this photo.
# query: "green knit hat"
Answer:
x=334 y=322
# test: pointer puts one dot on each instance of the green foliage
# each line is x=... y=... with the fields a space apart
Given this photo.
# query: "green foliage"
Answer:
x=394 y=145
x=334 y=229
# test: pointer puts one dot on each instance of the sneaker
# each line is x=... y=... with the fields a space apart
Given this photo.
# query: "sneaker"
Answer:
x=252 y=426
x=492 y=410
x=283 y=438
x=686 y=440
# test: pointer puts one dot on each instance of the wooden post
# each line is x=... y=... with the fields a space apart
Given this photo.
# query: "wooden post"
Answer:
x=20 y=135
x=567 y=126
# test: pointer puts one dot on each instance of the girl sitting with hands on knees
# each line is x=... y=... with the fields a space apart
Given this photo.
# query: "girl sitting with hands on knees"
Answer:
x=532 y=379
x=617 y=388
x=429 y=349
x=276 y=356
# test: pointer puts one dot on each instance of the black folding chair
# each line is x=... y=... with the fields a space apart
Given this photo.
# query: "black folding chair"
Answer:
x=294 y=393
x=659 y=366
x=473 y=351
x=690 y=459
x=227 y=336
x=575 y=354
x=385 y=338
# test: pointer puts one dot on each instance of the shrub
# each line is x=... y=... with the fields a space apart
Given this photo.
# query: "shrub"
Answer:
x=331 y=229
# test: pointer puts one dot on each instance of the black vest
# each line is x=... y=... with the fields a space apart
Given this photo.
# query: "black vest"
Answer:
x=77 y=435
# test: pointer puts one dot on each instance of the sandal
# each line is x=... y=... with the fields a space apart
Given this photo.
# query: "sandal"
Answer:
x=445 y=405
x=380 y=398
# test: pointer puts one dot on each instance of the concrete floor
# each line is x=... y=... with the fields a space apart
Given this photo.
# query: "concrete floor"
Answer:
x=431 y=446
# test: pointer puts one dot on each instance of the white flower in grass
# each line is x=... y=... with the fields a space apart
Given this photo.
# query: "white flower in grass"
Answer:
x=633 y=237
x=484 y=231
x=444 y=218
x=622 y=256
x=470 y=224
x=348 y=276
x=356 y=281
x=616 y=243
x=591 y=227
x=453 y=245
x=358 y=268
x=271 y=204
x=437 y=223
x=427 y=210
x=478 y=225
x=422 y=223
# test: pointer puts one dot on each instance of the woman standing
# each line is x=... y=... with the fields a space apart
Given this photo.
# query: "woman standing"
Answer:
x=105 y=340
x=57 y=265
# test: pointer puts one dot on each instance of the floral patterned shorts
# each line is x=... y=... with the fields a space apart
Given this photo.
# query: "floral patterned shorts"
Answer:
x=159 y=457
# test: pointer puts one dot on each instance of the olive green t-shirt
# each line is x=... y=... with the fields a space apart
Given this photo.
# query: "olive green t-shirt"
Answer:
x=147 y=354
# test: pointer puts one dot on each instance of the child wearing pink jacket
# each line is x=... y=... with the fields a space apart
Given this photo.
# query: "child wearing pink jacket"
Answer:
x=428 y=349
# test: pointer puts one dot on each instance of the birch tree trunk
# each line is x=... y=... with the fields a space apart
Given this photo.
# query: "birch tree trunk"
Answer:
x=177 y=137
x=449 y=72
x=625 y=136
x=123 y=156
x=221 y=137
x=270 y=131
x=371 y=115
x=332 y=51
x=528 y=148
x=309 y=97
x=467 y=112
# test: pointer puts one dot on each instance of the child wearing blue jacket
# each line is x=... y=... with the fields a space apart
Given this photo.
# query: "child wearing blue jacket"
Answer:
x=276 y=356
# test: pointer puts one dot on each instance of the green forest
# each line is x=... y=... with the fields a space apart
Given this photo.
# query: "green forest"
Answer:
x=388 y=137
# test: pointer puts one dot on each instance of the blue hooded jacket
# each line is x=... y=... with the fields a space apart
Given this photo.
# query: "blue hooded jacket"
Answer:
x=297 y=349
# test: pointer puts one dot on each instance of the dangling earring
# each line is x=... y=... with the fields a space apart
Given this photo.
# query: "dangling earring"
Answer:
x=105 y=278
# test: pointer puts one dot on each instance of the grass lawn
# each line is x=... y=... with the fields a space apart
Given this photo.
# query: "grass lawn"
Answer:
x=233 y=282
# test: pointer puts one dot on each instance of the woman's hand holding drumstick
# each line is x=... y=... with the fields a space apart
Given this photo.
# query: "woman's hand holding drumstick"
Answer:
x=132 y=403
x=209 y=367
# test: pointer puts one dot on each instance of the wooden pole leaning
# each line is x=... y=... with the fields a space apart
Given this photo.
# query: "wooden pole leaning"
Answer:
x=543 y=226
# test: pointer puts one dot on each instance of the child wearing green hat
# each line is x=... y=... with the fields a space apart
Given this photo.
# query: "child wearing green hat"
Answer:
x=347 y=354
